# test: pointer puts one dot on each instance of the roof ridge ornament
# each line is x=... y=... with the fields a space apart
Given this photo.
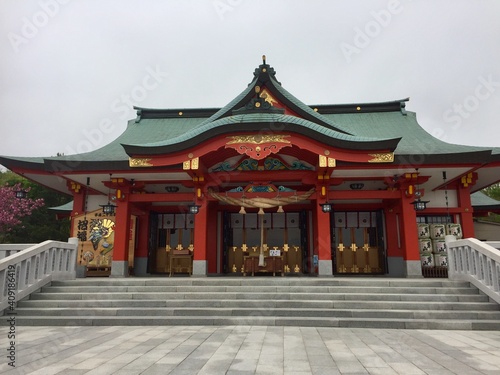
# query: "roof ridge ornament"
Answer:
x=259 y=103
x=264 y=72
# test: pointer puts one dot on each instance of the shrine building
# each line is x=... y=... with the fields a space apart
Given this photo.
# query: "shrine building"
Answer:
x=266 y=185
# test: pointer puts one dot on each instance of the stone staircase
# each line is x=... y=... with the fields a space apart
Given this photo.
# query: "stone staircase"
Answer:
x=272 y=301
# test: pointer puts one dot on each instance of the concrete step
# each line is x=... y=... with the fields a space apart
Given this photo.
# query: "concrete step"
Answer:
x=334 y=302
x=261 y=289
x=480 y=305
x=244 y=312
x=440 y=324
x=261 y=281
x=378 y=298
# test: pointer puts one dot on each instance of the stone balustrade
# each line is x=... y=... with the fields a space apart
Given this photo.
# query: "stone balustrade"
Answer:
x=476 y=262
x=11 y=249
x=32 y=267
x=495 y=244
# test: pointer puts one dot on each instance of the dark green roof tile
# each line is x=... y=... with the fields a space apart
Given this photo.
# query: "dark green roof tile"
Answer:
x=259 y=121
x=479 y=199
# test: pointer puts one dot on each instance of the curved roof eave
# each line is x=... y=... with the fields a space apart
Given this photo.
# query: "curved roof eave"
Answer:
x=11 y=162
x=259 y=122
x=481 y=200
x=459 y=157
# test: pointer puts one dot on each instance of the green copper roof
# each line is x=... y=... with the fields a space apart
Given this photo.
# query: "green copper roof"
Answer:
x=150 y=130
x=414 y=139
x=264 y=76
x=262 y=121
x=67 y=207
x=479 y=199
x=365 y=126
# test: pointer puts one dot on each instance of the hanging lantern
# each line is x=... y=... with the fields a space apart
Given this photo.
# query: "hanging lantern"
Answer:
x=326 y=207
x=108 y=209
x=21 y=194
x=194 y=209
x=418 y=204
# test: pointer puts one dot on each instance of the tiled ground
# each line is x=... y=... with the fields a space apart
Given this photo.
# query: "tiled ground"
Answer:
x=249 y=350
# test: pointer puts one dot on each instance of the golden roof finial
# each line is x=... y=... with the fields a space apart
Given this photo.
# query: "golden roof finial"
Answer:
x=264 y=59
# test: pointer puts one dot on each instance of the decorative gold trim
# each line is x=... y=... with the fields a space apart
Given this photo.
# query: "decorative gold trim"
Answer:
x=326 y=162
x=322 y=161
x=258 y=139
x=191 y=164
x=267 y=97
x=195 y=163
x=139 y=162
x=382 y=158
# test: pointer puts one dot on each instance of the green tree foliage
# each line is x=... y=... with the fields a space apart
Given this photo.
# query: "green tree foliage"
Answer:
x=42 y=224
x=493 y=191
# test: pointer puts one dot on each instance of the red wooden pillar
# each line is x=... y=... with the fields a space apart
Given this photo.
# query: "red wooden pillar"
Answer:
x=212 y=238
x=392 y=241
x=465 y=205
x=141 y=252
x=322 y=241
x=119 y=266
x=409 y=238
x=200 y=240
x=79 y=200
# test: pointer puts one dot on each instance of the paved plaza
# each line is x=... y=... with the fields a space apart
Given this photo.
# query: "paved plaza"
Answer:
x=249 y=350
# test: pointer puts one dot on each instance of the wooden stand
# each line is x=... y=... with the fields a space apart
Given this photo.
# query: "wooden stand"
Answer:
x=272 y=264
x=181 y=263
x=98 y=271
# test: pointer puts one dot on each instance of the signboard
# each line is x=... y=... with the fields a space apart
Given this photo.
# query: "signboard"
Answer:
x=96 y=237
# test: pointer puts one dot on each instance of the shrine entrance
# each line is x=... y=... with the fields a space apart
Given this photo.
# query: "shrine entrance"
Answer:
x=171 y=244
x=359 y=243
x=267 y=244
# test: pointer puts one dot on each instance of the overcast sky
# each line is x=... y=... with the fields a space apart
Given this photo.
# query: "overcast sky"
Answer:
x=71 y=70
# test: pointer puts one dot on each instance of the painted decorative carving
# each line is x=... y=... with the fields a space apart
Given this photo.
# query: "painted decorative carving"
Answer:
x=382 y=158
x=260 y=202
x=258 y=146
x=140 y=162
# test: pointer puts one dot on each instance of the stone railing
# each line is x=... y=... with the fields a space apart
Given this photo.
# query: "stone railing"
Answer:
x=495 y=244
x=11 y=249
x=33 y=267
x=476 y=262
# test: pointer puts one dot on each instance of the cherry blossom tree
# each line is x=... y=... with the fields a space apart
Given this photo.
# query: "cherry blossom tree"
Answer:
x=13 y=209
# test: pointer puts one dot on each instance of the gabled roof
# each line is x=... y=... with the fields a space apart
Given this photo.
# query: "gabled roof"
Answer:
x=262 y=105
x=260 y=121
x=481 y=201
x=366 y=126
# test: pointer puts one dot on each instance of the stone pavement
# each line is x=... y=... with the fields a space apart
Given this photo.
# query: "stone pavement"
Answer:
x=248 y=350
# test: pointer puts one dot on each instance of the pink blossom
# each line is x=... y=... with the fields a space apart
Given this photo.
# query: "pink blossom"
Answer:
x=13 y=209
